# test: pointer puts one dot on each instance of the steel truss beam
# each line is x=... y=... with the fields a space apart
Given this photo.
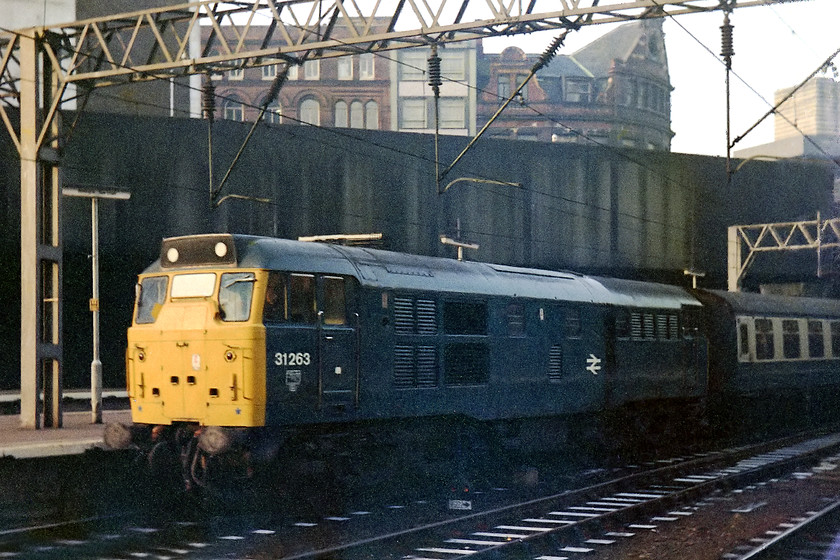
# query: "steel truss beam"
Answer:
x=784 y=236
x=38 y=64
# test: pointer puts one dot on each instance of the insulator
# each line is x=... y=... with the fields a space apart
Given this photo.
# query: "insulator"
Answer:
x=551 y=51
x=726 y=50
x=434 y=71
x=208 y=99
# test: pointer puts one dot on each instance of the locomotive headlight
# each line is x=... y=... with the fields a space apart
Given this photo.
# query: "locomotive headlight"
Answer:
x=230 y=356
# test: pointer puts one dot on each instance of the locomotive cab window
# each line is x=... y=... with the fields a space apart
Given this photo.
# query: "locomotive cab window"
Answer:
x=302 y=298
x=193 y=285
x=235 y=295
x=334 y=301
x=276 y=298
x=297 y=298
x=151 y=293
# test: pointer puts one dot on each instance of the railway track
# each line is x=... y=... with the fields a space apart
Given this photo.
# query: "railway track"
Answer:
x=570 y=524
x=816 y=534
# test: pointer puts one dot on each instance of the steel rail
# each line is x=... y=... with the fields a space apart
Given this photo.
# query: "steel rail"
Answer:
x=571 y=497
x=770 y=548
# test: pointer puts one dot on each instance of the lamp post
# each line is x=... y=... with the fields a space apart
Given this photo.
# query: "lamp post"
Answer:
x=95 y=364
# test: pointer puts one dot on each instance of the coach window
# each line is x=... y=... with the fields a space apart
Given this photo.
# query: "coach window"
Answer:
x=816 y=341
x=835 y=339
x=151 y=293
x=743 y=339
x=764 y=345
x=302 y=298
x=791 y=345
x=334 y=302
x=235 y=293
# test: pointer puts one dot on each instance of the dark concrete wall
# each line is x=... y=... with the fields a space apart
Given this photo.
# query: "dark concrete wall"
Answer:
x=625 y=213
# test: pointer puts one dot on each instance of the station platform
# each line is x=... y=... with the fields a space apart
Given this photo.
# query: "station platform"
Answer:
x=76 y=436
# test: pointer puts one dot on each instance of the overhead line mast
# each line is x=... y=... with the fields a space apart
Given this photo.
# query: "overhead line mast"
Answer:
x=38 y=64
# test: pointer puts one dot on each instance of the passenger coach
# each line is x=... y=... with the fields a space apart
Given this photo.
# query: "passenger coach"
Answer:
x=776 y=358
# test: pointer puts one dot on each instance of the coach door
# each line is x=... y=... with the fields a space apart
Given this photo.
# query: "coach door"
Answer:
x=338 y=378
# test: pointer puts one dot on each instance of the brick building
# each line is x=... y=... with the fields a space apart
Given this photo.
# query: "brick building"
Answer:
x=614 y=91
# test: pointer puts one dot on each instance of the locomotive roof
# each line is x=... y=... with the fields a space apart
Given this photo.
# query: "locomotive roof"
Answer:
x=391 y=270
x=775 y=305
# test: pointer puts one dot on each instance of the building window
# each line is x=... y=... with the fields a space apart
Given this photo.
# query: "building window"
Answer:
x=236 y=74
x=452 y=113
x=357 y=115
x=310 y=111
x=269 y=72
x=578 y=91
x=366 y=66
x=503 y=86
x=453 y=65
x=273 y=113
x=341 y=114
x=345 y=67
x=412 y=113
x=312 y=70
x=233 y=109
x=292 y=74
x=523 y=93
x=372 y=115
x=412 y=65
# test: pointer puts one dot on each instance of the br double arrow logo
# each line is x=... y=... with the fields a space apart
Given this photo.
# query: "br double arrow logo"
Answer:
x=594 y=364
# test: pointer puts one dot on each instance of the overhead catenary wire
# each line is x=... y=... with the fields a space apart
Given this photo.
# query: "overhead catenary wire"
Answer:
x=751 y=88
x=543 y=60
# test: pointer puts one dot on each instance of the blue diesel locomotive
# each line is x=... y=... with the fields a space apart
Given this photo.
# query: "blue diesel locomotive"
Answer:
x=239 y=342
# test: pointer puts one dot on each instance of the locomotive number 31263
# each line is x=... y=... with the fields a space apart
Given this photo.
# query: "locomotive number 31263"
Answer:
x=292 y=359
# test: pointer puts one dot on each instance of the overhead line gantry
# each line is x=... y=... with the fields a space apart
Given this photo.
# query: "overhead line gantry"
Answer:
x=37 y=66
